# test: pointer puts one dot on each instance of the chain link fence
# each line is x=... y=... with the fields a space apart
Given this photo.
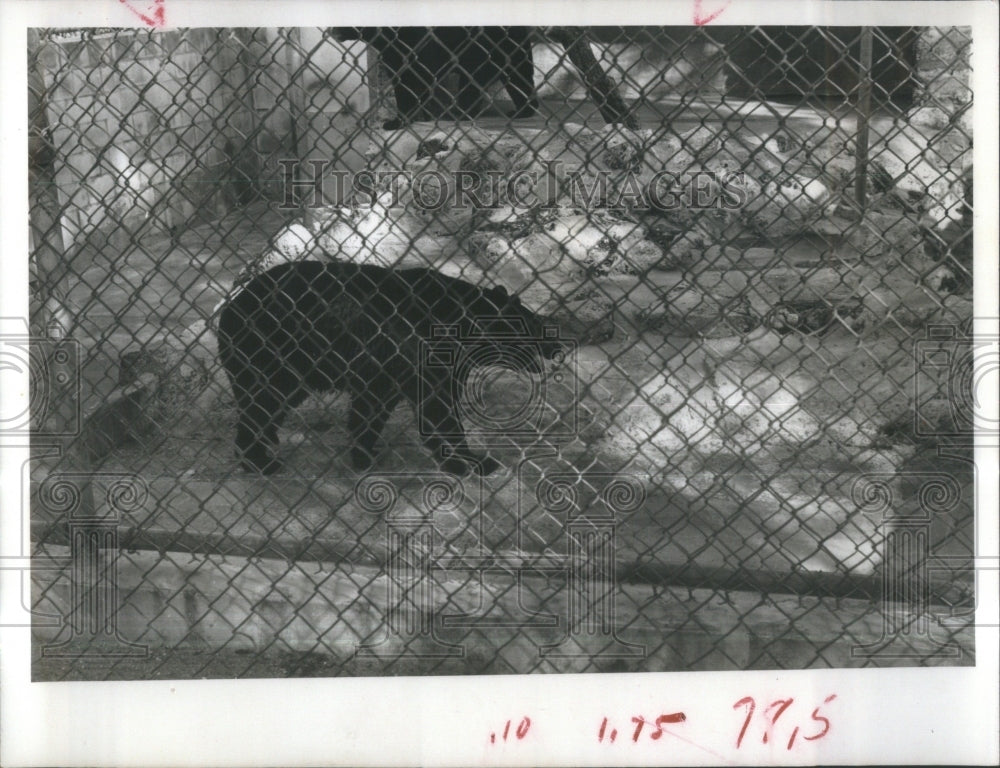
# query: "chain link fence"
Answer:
x=683 y=317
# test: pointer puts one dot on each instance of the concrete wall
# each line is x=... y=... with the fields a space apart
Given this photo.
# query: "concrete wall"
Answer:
x=146 y=126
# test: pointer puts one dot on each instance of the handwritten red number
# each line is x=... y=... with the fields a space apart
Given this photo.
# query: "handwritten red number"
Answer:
x=746 y=701
x=676 y=717
x=774 y=711
x=600 y=733
x=520 y=732
x=785 y=704
x=638 y=728
x=791 y=739
x=820 y=719
x=522 y=728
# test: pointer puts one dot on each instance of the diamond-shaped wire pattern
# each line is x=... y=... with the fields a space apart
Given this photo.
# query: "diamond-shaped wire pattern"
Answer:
x=683 y=315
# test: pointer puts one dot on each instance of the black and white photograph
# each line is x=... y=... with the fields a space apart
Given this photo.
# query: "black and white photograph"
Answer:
x=476 y=351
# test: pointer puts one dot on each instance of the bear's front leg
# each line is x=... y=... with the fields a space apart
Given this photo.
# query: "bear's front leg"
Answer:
x=257 y=429
x=444 y=436
x=370 y=410
x=256 y=451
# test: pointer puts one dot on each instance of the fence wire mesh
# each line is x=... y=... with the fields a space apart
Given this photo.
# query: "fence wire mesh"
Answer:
x=684 y=316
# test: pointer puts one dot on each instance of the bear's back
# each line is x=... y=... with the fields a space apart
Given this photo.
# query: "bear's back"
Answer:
x=360 y=296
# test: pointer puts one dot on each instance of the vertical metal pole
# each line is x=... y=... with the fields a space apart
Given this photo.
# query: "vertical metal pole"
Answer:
x=864 y=116
x=48 y=257
x=381 y=99
x=292 y=39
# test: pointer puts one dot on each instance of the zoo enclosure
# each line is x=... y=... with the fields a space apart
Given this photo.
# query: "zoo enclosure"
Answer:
x=159 y=176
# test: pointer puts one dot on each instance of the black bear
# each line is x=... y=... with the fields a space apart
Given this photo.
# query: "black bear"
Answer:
x=315 y=326
x=421 y=58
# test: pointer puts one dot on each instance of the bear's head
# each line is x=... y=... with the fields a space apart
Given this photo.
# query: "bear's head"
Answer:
x=521 y=338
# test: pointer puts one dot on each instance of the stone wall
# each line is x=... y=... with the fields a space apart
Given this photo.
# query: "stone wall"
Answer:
x=146 y=126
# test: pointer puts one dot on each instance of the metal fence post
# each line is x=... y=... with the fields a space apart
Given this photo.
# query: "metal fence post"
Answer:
x=864 y=106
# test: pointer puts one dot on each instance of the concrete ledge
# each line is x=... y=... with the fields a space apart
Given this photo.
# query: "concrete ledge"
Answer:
x=175 y=602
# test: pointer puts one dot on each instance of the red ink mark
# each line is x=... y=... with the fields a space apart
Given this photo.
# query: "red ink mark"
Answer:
x=785 y=704
x=792 y=739
x=600 y=733
x=676 y=717
x=638 y=728
x=772 y=714
x=701 y=19
x=746 y=723
x=820 y=719
x=640 y=723
x=156 y=18
x=522 y=728
x=721 y=758
x=521 y=731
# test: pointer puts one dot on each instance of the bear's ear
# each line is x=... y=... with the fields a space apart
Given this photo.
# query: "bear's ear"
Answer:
x=502 y=292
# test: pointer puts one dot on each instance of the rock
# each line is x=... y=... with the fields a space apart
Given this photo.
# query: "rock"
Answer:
x=366 y=234
x=660 y=231
x=162 y=387
x=900 y=235
x=942 y=279
x=719 y=257
x=568 y=249
x=784 y=286
x=180 y=377
x=432 y=145
x=432 y=204
x=293 y=241
x=640 y=257
x=686 y=310
x=535 y=267
x=624 y=149
x=922 y=161
x=686 y=250
x=724 y=283
x=128 y=415
x=784 y=206
x=496 y=250
x=818 y=316
x=588 y=321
